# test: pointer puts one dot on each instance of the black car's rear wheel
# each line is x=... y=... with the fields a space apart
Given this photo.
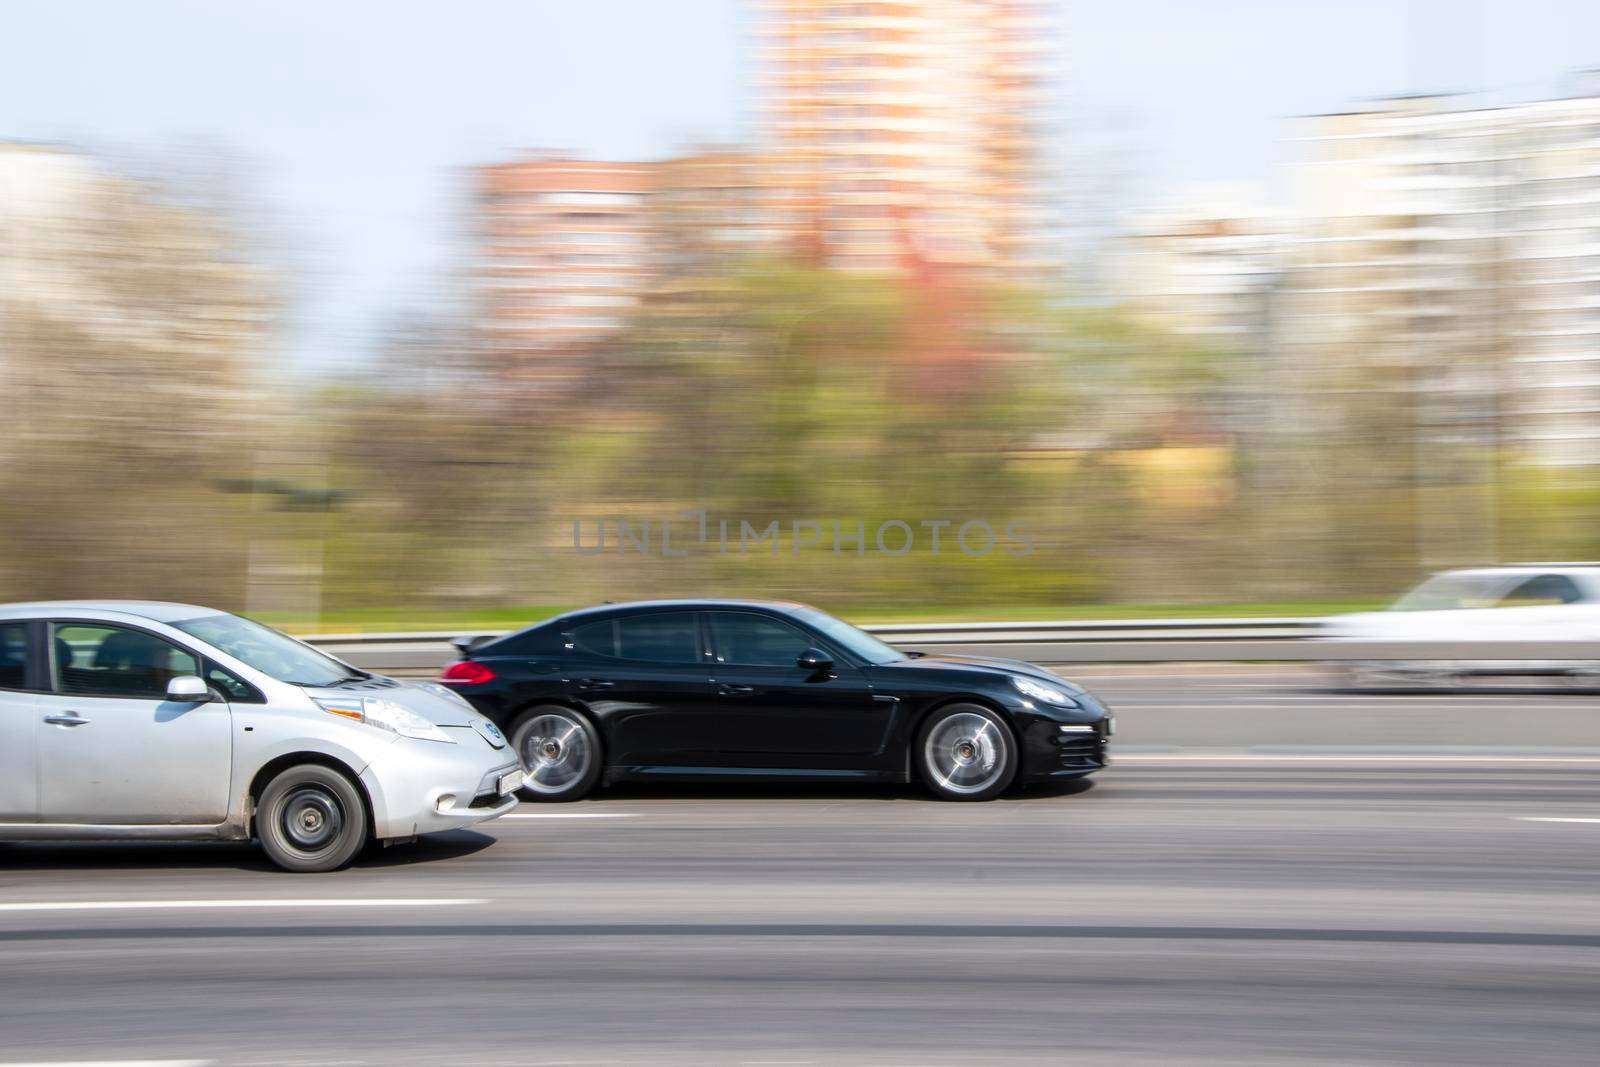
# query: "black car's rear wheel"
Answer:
x=560 y=753
x=966 y=752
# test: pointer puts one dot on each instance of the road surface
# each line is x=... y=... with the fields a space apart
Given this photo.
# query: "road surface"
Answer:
x=1192 y=907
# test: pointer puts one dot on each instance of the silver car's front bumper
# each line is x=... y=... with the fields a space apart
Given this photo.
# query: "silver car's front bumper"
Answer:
x=424 y=787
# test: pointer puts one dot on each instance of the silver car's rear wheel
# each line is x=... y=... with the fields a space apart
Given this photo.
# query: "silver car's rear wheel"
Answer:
x=560 y=753
x=966 y=753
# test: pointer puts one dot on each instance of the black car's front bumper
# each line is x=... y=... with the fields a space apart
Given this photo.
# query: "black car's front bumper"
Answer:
x=1054 y=751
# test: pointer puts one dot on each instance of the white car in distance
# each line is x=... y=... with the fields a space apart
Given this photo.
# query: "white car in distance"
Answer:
x=1518 y=602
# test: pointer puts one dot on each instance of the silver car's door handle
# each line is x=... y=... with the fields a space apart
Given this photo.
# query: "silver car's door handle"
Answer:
x=70 y=719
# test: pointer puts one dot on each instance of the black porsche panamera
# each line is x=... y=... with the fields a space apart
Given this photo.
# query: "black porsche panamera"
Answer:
x=741 y=689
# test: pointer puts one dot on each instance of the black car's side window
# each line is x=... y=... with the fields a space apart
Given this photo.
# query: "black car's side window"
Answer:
x=663 y=637
x=110 y=661
x=745 y=639
x=543 y=640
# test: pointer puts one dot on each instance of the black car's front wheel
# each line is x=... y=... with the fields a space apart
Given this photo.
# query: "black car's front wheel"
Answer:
x=966 y=752
x=560 y=753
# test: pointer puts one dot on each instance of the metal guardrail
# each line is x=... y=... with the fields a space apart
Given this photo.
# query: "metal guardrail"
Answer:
x=1096 y=641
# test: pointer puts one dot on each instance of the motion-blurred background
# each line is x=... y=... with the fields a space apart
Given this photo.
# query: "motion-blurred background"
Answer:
x=351 y=318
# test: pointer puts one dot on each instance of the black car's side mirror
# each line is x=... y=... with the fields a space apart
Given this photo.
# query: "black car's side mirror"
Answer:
x=814 y=660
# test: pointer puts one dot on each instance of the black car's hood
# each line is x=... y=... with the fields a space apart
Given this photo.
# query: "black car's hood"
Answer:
x=986 y=664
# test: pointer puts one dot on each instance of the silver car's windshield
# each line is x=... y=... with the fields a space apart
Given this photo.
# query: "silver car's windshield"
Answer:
x=1446 y=592
x=857 y=642
x=269 y=651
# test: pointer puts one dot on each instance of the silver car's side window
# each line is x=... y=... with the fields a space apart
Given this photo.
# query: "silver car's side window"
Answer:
x=96 y=659
x=13 y=655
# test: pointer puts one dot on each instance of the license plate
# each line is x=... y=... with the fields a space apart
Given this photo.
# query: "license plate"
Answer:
x=510 y=782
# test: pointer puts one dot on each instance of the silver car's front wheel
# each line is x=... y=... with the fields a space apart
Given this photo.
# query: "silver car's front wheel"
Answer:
x=560 y=753
x=966 y=752
x=311 y=818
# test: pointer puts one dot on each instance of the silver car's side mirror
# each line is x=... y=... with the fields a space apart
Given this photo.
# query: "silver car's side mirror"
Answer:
x=188 y=689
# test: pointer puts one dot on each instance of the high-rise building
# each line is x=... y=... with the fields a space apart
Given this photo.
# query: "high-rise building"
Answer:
x=569 y=248
x=896 y=134
x=1206 y=266
x=709 y=208
x=905 y=130
x=565 y=250
x=1459 y=242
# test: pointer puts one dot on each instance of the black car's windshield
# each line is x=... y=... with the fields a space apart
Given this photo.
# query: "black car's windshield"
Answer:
x=268 y=651
x=857 y=642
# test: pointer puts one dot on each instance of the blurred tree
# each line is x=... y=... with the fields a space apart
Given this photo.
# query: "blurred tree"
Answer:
x=127 y=324
x=783 y=392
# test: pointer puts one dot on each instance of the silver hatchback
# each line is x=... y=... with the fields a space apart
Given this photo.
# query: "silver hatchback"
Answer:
x=132 y=719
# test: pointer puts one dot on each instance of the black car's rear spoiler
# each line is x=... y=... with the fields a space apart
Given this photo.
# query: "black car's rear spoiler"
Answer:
x=467 y=644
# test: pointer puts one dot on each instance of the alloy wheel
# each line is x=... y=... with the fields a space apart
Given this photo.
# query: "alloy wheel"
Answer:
x=555 y=753
x=967 y=752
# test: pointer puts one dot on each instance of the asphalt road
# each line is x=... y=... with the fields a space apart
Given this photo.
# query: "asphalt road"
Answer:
x=1193 y=907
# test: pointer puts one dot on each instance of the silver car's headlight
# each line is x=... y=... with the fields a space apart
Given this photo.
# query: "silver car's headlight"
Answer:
x=1039 y=691
x=444 y=691
x=385 y=715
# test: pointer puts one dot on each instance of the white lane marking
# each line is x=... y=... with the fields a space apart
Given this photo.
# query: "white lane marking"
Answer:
x=1177 y=705
x=1117 y=758
x=565 y=815
x=110 y=1063
x=154 y=905
x=1550 y=818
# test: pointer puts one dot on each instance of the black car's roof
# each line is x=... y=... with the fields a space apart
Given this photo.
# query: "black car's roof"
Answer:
x=783 y=607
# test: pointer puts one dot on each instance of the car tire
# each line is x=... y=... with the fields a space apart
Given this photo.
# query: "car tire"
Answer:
x=965 y=752
x=560 y=753
x=311 y=818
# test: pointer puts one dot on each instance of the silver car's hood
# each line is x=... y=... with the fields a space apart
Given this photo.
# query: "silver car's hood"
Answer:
x=437 y=709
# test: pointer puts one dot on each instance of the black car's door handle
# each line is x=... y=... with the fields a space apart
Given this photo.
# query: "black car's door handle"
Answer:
x=595 y=683
x=735 y=690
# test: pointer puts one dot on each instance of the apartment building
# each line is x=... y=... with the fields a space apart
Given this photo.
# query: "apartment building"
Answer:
x=894 y=135
x=1462 y=242
x=565 y=250
x=569 y=248
x=1206 y=266
x=709 y=208
x=905 y=131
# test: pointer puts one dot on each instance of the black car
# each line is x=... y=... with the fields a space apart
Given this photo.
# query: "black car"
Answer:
x=734 y=689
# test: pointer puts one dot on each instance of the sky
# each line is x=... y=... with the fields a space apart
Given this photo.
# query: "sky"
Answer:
x=352 y=124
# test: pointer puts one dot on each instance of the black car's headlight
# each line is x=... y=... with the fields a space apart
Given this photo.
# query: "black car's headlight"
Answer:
x=1046 y=693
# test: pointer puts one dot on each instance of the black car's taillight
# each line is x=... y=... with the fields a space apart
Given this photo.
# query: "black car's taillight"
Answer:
x=467 y=672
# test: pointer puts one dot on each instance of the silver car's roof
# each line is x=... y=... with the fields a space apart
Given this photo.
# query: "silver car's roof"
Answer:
x=154 y=610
